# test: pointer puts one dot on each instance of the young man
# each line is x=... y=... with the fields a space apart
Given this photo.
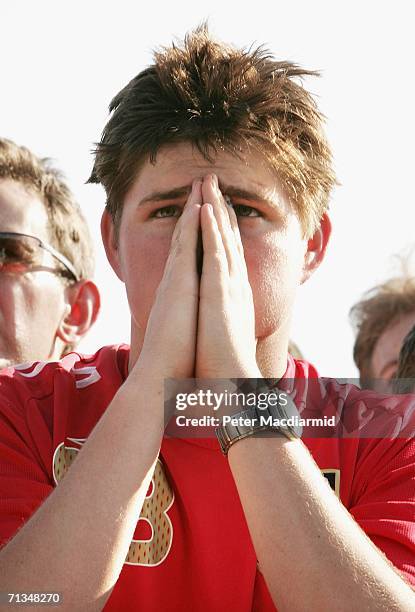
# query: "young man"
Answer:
x=382 y=320
x=143 y=521
x=47 y=298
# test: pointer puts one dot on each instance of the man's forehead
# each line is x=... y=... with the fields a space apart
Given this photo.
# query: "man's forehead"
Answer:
x=22 y=210
x=186 y=158
x=175 y=168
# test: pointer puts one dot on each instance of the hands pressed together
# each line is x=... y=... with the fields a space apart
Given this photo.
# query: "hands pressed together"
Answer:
x=203 y=326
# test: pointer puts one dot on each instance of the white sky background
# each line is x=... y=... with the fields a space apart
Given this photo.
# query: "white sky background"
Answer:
x=62 y=62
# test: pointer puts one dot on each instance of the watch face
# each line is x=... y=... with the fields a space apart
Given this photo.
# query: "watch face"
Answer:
x=282 y=418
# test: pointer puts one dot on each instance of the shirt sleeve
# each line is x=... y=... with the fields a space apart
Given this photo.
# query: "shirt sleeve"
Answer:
x=24 y=479
x=383 y=499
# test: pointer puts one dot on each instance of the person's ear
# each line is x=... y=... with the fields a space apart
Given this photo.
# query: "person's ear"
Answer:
x=316 y=247
x=82 y=307
x=109 y=238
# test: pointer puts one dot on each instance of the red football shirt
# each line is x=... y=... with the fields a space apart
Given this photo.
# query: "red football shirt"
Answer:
x=191 y=550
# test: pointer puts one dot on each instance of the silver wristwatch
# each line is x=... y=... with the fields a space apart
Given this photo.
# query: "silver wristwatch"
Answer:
x=281 y=419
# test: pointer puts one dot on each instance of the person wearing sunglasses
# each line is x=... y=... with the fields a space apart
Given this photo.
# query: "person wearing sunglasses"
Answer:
x=47 y=298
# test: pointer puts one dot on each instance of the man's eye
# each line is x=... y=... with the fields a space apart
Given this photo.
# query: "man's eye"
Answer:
x=245 y=211
x=15 y=253
x=167 y=211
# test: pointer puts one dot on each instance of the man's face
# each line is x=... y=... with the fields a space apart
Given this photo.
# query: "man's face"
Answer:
x=31 y=304
x=270 y=230
x=385 y=356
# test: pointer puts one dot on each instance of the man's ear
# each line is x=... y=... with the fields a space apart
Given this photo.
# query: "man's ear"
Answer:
x=316 y=247
x=82 y=307
x=109 y=238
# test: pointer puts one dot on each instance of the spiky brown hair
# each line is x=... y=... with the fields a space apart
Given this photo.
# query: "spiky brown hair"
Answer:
x=217 y=97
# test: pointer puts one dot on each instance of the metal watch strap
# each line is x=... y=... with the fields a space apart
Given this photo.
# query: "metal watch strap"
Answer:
x=228 y=434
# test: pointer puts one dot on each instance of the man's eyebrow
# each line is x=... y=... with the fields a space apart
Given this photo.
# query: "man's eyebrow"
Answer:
x=170 y=194
x=244 y=194
x=184 y=191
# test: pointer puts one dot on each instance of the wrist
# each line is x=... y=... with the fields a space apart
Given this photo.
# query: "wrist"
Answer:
x=237 y=371
x=144 y=387
x=251 y=372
